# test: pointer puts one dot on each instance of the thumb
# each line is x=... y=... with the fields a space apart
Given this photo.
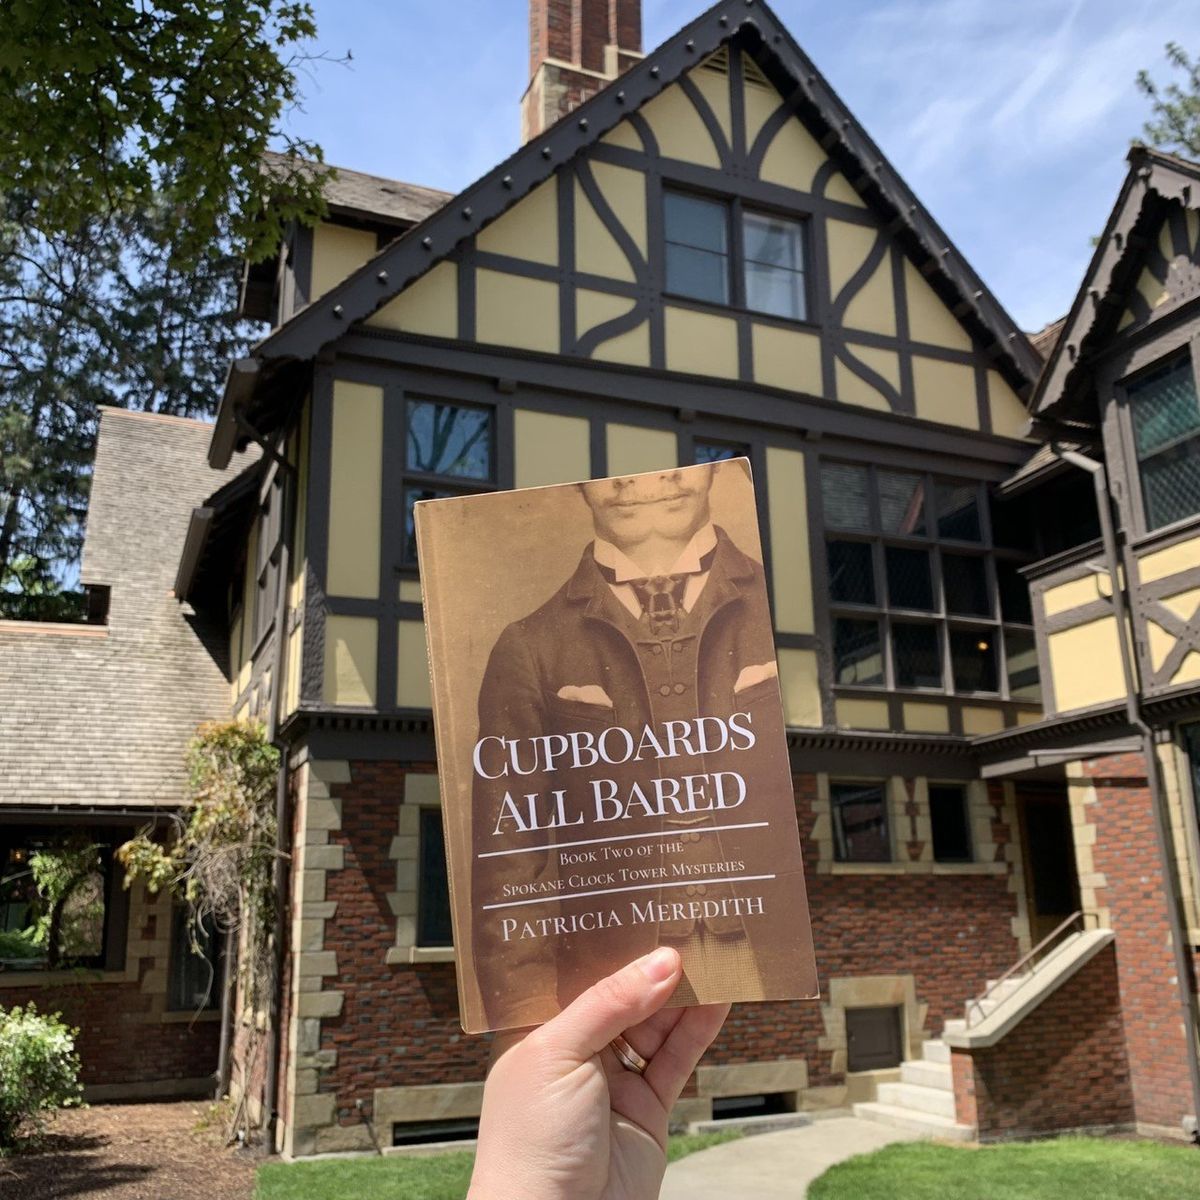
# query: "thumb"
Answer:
x=614 y=1004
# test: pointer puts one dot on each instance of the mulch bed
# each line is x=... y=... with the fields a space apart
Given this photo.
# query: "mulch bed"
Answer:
x=132 y=1152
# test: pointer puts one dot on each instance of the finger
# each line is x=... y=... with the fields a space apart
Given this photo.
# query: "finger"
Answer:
x=650 y=1034
x=613 y=1005
x=676 y=1059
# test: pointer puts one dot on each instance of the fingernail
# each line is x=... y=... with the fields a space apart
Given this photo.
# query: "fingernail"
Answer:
x=659 y=965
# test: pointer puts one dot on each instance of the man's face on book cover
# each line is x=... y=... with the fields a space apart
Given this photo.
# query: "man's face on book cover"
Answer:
x=632 y=509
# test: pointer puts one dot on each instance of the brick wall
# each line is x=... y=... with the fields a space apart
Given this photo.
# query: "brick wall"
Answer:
x=1063 y=1067
x=398 y=1024
x=1127 y=879
x=126 y=1039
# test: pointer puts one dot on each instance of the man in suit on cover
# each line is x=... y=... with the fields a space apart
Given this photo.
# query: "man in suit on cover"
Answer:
x=663 y=620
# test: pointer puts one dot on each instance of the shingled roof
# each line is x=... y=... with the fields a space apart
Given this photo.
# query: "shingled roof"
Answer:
x=368 y=197
x=99 y=715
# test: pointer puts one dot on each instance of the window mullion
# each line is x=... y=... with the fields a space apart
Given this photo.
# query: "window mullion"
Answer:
x=737 y=253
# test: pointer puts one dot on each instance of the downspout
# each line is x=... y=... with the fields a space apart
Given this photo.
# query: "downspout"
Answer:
x=283 y=823
x=1133 y=711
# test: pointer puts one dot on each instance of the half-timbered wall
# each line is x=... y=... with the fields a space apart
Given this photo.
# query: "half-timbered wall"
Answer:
x=577 y=267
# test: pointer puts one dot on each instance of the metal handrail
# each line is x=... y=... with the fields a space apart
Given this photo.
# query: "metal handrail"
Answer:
x=1079 y=919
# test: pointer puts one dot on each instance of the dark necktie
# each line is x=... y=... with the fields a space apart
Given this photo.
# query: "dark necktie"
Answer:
x=661 y=596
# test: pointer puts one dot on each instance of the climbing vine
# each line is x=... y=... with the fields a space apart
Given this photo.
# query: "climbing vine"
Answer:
x=221 y=862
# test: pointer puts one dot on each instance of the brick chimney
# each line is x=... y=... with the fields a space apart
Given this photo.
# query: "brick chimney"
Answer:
x=575 y=48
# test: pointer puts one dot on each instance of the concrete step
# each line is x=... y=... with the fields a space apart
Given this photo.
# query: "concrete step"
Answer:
x=912 y=1095
x=771 y=1123
x=954 y=1025
x=927 y=1074
x=935 y=1051
x=921 y=1123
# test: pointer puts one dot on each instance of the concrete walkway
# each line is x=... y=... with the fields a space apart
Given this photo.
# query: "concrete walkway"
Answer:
x=775 y=1166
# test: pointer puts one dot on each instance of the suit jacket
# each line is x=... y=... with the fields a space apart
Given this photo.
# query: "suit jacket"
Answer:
x=583 y=638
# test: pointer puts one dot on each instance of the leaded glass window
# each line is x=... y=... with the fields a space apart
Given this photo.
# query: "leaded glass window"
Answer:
x=1164 y=412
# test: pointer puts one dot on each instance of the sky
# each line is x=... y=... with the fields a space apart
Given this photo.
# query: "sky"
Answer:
x=1010 y=119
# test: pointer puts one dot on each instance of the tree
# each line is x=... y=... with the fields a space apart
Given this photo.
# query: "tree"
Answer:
x=1175 y=125
x=131 y=187
x=131 y=100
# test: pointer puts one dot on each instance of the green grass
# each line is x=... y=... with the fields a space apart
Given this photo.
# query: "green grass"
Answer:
x=405 y=1176
x=1089 y=1168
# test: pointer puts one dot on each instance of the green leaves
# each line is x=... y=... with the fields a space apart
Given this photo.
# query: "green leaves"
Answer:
x=1176 y=107
x=39 y=1070
x=128 y=101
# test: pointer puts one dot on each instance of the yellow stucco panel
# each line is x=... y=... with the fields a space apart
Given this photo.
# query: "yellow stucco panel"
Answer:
x=549 y=448
x=945 y=392
x=429 y=305
x=701 y=343
x=678 y=129
x=1189 y=670
x=624 y=135
x=714 y=87
x=759 y=104
x=849 y=246
x=791 y=569
x=976 y=721
x=862 y=714
x=926 y=718
x=596 y=250
x=511 y=310
x=291 y=691
x=799 y=681
x=873 y=307
x=355 y=483
x=851 y=389
x=929 y=320
x=631 y=347
x=1085 y=664
x=635 y=448
x=793 y=158
x=1170 y=561
x=337 y=252
x=595 y=308
x=787 y=358
x=838 y=188
x=528 y=230
x=1183 y=604
x=1152 y=289
x=1075 y=593
x=412 y=667
x=1007 y=409
x=410 y=591
x=1160 y=643
x=350 y=648
x=625 y=191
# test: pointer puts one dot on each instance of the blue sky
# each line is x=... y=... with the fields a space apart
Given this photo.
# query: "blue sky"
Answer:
x=1009 y=118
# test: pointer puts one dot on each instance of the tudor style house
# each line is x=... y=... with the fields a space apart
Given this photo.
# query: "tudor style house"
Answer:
x=699 y=253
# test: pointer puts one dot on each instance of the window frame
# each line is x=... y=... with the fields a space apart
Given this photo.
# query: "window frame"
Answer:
x=838 y=836
x=735 y=212
x=455 y=485
x=181 y=946
x=939 y=617
x=1132 y=473
x=965 y=795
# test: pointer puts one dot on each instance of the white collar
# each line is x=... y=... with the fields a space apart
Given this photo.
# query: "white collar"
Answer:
x=688 y=563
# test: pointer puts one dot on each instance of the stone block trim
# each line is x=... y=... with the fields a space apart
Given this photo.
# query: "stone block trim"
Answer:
x=307 y=1109
x=871 y=991
x=1063 y=1067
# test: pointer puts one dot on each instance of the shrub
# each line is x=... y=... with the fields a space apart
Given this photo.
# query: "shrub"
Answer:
x=39 y=1070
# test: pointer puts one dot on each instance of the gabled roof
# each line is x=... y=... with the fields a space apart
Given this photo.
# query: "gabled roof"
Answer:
x=758 y=31
x=1154 y=178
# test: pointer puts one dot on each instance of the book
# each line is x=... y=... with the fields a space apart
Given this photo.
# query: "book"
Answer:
x=610 y=742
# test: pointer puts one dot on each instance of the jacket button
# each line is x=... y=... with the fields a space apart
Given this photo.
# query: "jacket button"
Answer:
x=679 y=647
x=692 y=889
x=680 y=688
x=665 y=690
x=691 y=837
x=656 y=649
x=701 y=890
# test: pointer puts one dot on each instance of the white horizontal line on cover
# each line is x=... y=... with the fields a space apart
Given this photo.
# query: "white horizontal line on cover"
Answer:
x=641 y=887
x=622 y=837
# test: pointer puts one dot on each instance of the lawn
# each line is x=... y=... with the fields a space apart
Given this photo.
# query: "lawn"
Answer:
x=1066 y=1167
x=405 y=1176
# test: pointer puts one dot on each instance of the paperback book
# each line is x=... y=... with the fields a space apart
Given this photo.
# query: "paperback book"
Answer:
x=610 y=742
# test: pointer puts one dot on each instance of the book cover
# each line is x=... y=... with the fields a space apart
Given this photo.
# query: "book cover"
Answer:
x=610 y=742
